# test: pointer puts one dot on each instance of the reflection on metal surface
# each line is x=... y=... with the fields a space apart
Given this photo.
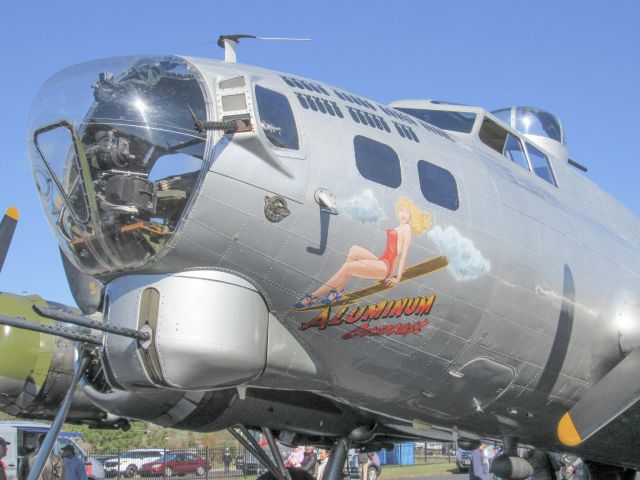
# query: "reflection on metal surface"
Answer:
x=125 y=161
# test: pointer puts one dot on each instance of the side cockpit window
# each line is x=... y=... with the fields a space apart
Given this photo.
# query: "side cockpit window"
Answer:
x=276 y=118
x=500 y=140
x=492 y=135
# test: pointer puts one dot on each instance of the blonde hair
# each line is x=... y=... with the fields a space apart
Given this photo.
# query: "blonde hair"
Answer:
x=419 y=220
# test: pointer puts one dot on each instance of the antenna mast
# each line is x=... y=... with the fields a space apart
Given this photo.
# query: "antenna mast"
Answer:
x=230 y=42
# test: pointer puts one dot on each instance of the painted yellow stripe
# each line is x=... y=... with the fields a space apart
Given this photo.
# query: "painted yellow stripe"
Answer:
x=567 y=432
x=12 y=213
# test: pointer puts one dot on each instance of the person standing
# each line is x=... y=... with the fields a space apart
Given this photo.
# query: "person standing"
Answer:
x=309 y=460
x=479 y=468
x=73 y=466
x=363 y=465
x=3 y=453
x=323 y=458
x=53 y=468
x=226 y=459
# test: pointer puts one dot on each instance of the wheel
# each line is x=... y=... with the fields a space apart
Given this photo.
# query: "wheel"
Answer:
x=294 y=473
x=372 y=473
x=168 y=472
x=130 y=471
x=200 y=471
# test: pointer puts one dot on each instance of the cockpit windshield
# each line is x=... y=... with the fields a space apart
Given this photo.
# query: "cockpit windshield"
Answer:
x=116 y=158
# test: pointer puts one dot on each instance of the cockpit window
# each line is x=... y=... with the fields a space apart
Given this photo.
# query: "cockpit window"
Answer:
x=116 y=158
x=513 y=151
x=492 y=135
x=541 y=165
x=276 y=118
x=453 y=121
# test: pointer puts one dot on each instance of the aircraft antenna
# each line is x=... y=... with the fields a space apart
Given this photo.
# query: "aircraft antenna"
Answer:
x=230 y=42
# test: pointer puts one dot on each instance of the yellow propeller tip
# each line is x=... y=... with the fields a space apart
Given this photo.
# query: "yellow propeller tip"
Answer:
x=567 y=432
x=13 y=213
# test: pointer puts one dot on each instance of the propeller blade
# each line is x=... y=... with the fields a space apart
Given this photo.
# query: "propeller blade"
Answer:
x=612 y=395
x=7 y=227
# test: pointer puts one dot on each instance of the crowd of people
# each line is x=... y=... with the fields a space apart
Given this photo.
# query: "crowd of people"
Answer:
x=309 y=461
x=69 y=467
x=316 y=464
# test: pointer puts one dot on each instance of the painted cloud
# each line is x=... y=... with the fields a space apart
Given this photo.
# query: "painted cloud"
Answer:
x=465 y=260
x=364 y=207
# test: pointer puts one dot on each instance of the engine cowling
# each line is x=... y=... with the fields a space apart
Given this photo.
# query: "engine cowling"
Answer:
x=208 y=331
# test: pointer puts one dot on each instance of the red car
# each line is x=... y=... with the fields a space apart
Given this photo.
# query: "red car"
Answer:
x=174 y=464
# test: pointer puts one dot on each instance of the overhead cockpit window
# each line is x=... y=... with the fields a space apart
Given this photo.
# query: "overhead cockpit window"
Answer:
x=116 y=158
x=276 y=118
x=377 y=162
x=541 y=165
x=453 y=121
x=438 y=185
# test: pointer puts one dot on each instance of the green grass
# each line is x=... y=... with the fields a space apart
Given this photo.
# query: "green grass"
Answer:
x=390 y=472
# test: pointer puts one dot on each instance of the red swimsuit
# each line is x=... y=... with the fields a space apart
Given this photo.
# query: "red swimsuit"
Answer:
x=391 y=251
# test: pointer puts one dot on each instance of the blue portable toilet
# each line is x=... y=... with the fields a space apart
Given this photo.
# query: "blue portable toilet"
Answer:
x=405 y=454
x=402 y=454
x=382 y=455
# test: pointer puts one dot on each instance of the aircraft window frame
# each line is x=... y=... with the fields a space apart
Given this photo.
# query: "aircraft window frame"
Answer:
x=551 y=178
x=437 y=185
x=292 y=142
x=377 y=162
x=493 y=135
x=523 y=162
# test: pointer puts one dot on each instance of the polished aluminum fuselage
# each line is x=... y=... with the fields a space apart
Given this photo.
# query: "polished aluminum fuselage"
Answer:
x=506 y=350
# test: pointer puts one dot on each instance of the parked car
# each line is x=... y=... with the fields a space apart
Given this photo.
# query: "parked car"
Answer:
x=463 y=460
x=129 y=462
x=175 y=463
x=374 y=470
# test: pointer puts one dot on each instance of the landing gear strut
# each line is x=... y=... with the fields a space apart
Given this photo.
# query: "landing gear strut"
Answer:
x=336 y=460
x=276 y=469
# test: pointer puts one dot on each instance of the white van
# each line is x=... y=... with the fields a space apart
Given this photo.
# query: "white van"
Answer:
x=23 y=438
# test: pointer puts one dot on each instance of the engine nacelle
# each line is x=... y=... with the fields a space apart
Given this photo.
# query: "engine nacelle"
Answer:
x=208 y=331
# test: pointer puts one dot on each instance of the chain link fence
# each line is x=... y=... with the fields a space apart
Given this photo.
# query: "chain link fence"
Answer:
x=205 y=463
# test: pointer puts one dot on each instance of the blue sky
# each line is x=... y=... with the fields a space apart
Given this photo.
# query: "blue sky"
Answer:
x=577 y=59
